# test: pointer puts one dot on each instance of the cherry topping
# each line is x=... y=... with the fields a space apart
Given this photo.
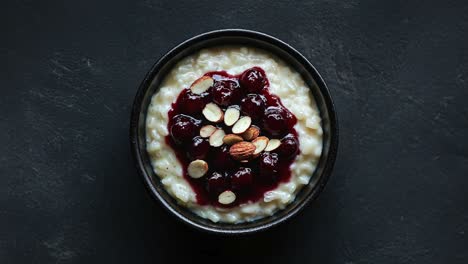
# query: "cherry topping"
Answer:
x=199 y=148
x=241 y=179
x=253 y=80
x=253 y=105
x=277 y=120
x=248 y=91
x=289 y=147
x=268 y=166
x=220 y=158
x=184 y=128
x=273 y=100
x=217 y=183
x=226 y=92
x=191 y=103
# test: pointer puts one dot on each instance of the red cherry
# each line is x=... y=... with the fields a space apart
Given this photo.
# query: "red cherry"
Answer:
x=217 y=183
x=226 y=92
x=268 y=166
x=253 y=105
x=277 y=120
x=253 y=80
x=289 y=147
x=241 y=179
x=199 y=148
x=221 y=158
x=191 y=103
x=184 y=127
x=273 y=100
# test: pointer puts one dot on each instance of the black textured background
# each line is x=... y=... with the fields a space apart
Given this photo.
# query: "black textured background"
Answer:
x=398 y=71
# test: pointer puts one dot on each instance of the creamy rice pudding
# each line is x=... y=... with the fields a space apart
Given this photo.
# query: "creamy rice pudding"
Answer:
x=233 y=133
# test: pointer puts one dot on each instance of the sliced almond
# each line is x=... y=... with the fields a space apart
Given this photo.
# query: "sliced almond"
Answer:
x=232 y=139
x=242 y=150
x=207 y=131
x=227 y=197
x=231 y=116
x=201 y=85
x=242 y=125
x=260 y=144
x=216 y=139
x=251 y=133
x=197 y=168
x=273 y=144
x=213 y=113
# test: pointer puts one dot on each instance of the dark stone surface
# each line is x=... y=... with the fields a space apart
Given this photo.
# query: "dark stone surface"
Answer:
x=398 y=71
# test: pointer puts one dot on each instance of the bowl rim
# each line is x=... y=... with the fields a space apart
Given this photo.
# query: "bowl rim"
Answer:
x=301 y=59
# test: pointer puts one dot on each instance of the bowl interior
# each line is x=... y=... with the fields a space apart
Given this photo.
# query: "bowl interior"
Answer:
x=234 y=37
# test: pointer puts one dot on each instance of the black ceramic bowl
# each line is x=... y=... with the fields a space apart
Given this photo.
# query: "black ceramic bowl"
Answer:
x=241 y=37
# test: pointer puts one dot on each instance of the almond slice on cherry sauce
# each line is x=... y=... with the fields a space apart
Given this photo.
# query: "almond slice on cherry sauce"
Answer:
x=207 y=131
x=260 y=144
x=216 y=139
x=213 y=113
x=202 y=84
x=242 y=125
x=231 y=116
x=273 y=144
x=197 y=168
x=226 y=197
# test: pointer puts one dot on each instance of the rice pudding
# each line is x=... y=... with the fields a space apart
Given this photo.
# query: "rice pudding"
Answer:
x=233 y=133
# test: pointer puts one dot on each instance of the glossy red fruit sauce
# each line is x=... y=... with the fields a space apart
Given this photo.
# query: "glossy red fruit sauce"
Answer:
x=248 y=91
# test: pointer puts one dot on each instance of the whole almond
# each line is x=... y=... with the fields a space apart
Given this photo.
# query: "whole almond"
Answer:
x=251 y=133
x=242 y=150
x=231 y=139
x=260 y=144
